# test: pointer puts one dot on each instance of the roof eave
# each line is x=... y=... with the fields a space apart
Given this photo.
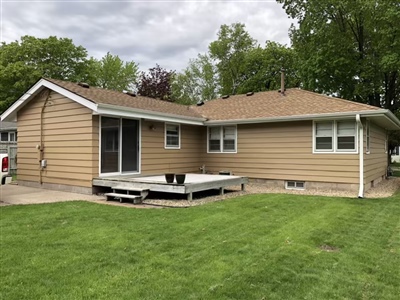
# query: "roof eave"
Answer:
x=122 y=111
x=369 y=113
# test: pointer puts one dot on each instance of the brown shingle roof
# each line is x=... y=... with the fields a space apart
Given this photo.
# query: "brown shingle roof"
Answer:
x=104 y=96
x=272 y=104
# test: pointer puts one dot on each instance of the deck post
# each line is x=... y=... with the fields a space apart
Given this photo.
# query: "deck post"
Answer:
x=190 y=196
x=243 y=187
x=221 y=191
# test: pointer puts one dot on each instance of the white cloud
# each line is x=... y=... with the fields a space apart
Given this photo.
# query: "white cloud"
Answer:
x=168 y=33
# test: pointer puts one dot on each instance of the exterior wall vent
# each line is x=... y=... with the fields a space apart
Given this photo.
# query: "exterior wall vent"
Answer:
x=131 y=94
x=295 y=185
x=225 y=172
x=199 y=103
x=250 y=94
x=83 y=84
x=225 y=97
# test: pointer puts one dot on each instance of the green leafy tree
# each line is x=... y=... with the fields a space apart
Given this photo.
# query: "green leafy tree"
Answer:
x=197 y=82
x=156 y=83
x=111 y=72
x=23 y=62
x=229 y=51
x=349 y=48
x=262 y=68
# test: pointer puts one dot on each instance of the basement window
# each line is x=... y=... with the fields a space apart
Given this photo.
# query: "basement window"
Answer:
x=294 y=185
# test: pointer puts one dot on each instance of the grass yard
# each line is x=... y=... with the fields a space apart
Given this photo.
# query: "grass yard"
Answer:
x=252 y=247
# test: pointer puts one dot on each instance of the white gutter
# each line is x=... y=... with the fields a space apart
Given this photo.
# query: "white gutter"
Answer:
x=296 y=118
x=361 y=156
x=114 y=110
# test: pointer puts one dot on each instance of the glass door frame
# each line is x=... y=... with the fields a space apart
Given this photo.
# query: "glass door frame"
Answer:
x=120 y=147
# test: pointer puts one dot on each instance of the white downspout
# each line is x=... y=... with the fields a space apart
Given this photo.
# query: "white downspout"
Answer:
x=361 y=156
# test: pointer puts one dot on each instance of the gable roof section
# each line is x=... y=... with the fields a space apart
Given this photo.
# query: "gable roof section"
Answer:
x=109 y=102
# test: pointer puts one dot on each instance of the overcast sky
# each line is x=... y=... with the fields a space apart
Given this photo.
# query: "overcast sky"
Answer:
x=148 y=32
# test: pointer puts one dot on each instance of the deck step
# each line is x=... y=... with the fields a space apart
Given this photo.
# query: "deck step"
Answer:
x=131 y=189
x=143 y=192
x=136 y=198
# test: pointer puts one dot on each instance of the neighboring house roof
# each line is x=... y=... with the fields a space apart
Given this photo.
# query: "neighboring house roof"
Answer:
x=8 y=126
x=261 y=107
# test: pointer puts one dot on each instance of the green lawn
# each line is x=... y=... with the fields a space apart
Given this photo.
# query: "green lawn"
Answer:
x=252 y=247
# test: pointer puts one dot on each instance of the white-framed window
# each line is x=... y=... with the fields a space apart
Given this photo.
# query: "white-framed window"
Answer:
x=368 y=137
x=172 y=136
x=12 y=136
x=346 y=135
x=222 y=139
x=4 y=137
x=339 y=136
x=294 y=185
x=324 y=136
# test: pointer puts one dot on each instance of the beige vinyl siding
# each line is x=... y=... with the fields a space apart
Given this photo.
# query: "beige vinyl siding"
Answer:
x=283 y=151
x=70 y=140
x=375 y=163
x=158 y=160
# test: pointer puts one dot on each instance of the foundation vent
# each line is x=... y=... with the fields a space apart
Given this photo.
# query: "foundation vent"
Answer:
x=225 y=97
x=83 y=84
x=250 y=94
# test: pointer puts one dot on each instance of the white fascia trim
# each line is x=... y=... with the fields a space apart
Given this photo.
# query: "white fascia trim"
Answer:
x=113 y=110
x=45 y=83
x=385 y=113
x=327 y=116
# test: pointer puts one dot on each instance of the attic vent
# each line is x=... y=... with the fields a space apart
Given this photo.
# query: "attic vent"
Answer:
x=250 y=94
x=200 y=103
x=83 y=84
x=225 y=97
x=131 y=94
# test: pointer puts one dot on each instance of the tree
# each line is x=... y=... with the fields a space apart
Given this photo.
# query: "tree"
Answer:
x=112 y=73
x=156 y=84
x=23 y=63
x=197 y=82
x=229 y=51
x=349 y=48
x=262 y=68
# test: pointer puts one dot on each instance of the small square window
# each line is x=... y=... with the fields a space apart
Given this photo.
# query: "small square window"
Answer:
x=4 y=137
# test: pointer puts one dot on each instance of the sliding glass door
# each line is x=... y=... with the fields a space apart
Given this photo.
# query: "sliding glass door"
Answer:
x=119 y=145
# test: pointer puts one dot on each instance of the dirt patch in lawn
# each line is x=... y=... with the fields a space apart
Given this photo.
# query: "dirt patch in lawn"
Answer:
x=328 y=248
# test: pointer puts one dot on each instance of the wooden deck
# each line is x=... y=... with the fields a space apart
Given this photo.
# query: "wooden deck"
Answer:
x=193 y=183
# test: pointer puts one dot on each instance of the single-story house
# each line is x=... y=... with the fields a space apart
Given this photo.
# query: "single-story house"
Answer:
x=70 y=133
